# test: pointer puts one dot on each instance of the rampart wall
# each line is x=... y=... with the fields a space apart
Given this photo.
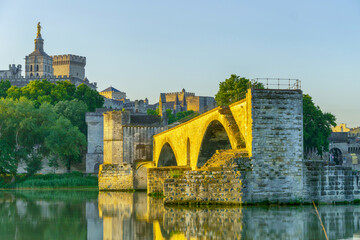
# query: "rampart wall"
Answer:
x=23 y=81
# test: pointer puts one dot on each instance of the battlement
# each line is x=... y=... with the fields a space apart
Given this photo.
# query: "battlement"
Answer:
x=23 y=81
x=67 y=58
x=179 y=93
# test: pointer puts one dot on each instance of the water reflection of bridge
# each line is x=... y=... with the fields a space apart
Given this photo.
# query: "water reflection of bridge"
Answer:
x=136 y=216
x=79 y=215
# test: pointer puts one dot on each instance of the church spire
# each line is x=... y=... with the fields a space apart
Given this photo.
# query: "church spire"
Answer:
x=39 y=42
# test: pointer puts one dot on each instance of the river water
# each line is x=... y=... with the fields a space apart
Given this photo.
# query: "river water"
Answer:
x=92 y=215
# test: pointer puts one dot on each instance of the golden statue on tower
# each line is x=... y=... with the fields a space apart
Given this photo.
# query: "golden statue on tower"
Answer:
x=38 y=30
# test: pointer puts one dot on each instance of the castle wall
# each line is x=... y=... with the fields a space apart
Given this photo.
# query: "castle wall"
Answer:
x=23 y=81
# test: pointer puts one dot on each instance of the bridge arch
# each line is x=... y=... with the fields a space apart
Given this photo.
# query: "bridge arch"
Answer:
x=167 y=156
x=214 y=138
x=186 y=139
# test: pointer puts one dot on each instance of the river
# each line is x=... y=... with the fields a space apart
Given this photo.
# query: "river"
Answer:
x=45 y=214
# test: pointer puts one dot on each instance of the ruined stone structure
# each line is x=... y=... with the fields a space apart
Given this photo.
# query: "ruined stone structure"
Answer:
x=39 y=65
x=128 y=140
x=265 y=129
x=185 y=101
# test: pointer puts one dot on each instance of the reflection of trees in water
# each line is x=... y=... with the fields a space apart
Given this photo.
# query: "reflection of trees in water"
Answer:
x=136 y=216
x=36 y=218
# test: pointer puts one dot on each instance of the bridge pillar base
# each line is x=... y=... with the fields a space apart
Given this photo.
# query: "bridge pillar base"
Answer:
x=114 y=177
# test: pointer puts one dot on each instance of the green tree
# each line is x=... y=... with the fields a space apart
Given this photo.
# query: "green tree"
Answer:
x=317 y=126
x=14 y=92
x=91 y=97
x=4 y=86
x=66 y=143
x=170 y=116
x=152 y=112
x=73 y=110
x=183 y=114
x=20 y=130
x=29 y=134
x=233 y=89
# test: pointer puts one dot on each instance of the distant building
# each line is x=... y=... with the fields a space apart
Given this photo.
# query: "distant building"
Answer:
x=344 y=146
x=341 y=128
x=185 y=101
x=14 y=71
x=113 y=93
x=39 y=65
x=115 y=99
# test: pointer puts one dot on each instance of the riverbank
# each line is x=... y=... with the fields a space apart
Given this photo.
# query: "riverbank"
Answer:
x=49 y=181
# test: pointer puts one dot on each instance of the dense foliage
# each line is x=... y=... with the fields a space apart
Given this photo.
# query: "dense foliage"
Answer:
x=317 y=126
x=233 y=89
x=41 y=120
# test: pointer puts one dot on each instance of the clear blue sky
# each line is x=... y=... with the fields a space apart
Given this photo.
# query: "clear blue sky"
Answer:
x=148 y=47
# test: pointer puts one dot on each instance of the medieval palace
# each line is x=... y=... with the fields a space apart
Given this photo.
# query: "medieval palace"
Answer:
x=39 y=65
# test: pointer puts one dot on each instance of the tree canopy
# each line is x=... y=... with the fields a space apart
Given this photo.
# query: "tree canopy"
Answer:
x=27 y=131
x=41 y=91
x=233 y=89
x=317 y=126
x=44 y=119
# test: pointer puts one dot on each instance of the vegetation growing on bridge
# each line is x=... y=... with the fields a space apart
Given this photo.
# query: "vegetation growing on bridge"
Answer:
x=233 y=89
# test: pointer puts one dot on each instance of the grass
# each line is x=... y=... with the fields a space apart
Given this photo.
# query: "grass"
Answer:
x=66 y=180
x=156 y=195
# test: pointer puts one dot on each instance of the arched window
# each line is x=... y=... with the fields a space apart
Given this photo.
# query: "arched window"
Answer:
x=31 y=74
x=30 y=68
x=37 y=67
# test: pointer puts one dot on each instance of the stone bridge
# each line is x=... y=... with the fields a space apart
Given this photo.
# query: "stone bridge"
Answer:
x=267 y=125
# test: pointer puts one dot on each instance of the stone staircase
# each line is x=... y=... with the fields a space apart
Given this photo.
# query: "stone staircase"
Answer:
x=231 y=158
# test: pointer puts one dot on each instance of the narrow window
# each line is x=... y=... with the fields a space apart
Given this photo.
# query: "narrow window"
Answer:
x=30 y=68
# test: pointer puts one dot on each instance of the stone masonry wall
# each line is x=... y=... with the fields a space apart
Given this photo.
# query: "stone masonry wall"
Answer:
x=95 y=138
x=116 y=177
x=277 y=146
x=157 y=176
x=221 y=186
x=330 y=183
x=138 y=142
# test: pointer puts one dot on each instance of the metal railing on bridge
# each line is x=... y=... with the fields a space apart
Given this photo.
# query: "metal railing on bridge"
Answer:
x=276 y=83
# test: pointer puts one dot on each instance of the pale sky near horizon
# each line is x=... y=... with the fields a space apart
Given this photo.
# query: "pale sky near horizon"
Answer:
x=147 y=47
